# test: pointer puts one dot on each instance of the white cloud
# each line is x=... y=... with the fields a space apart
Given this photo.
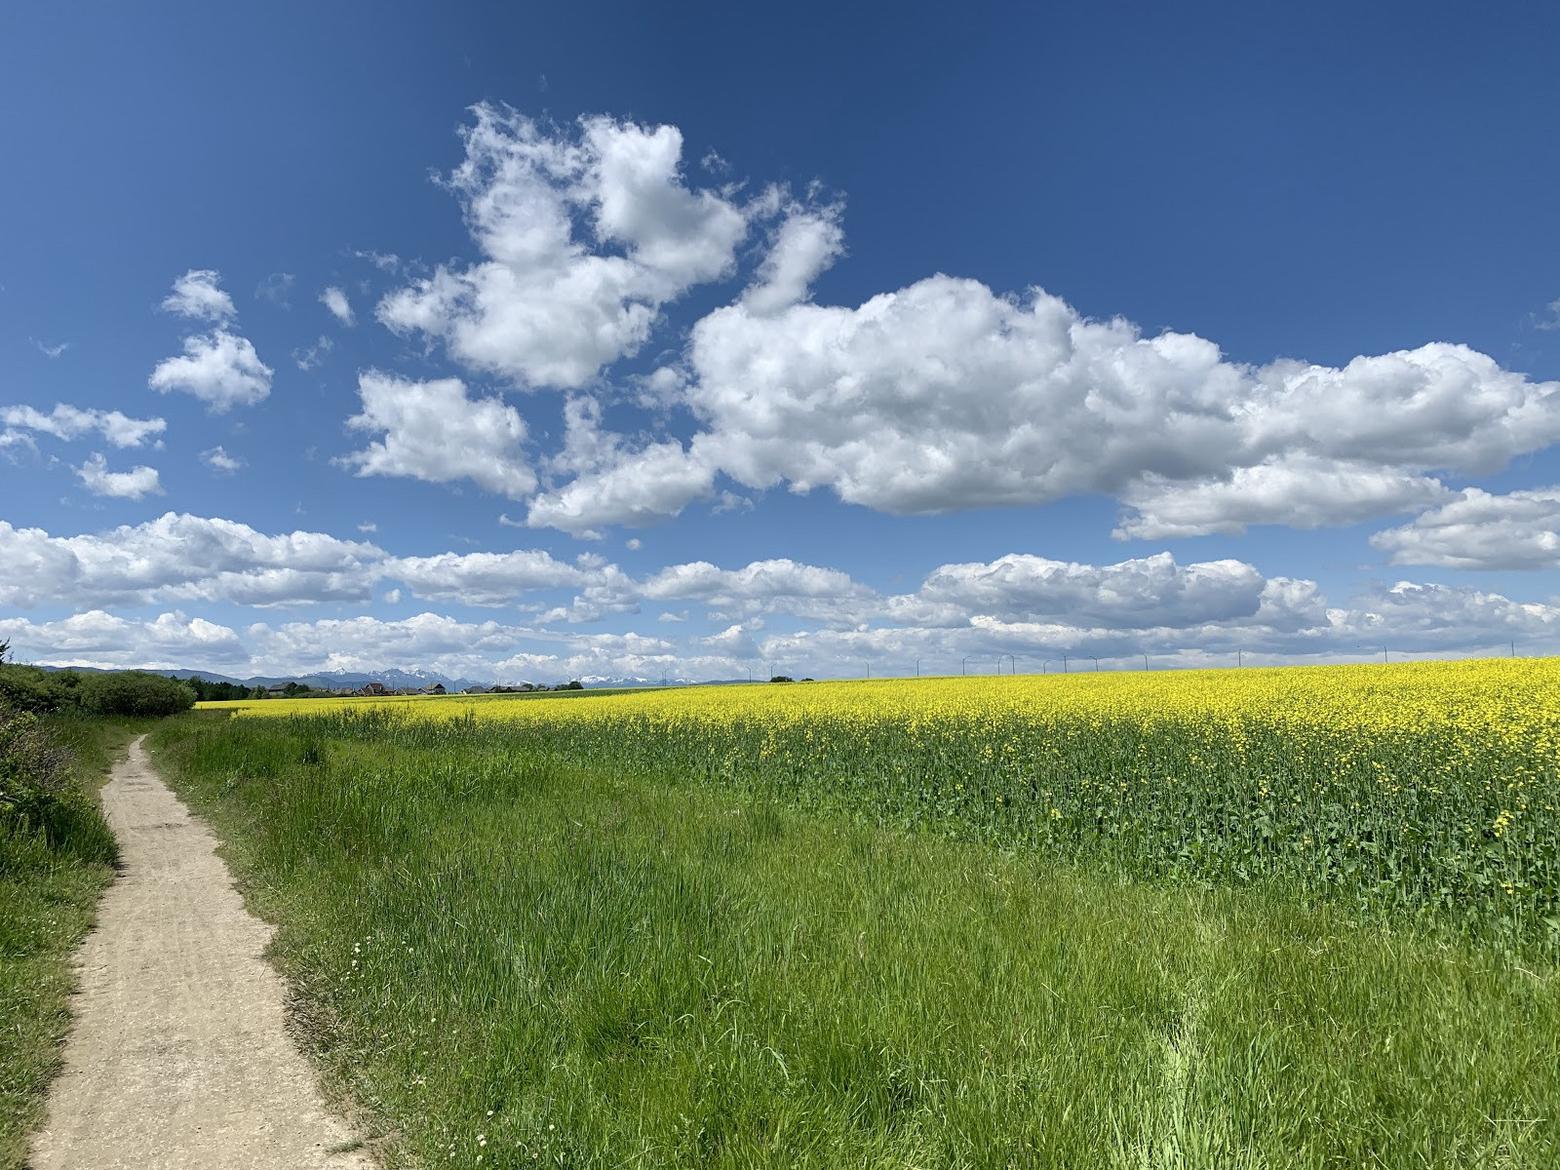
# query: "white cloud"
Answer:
x=939 y=396
x=1179 y=615
x=180 y=558
x=368 y=526
x=1408 y=618
x=71 y=422
x=488 y=650
x=1149 y=591
x=426 y=640
x=735 y=641
x=944 y=395
x=219 y=460
x=642 y=487
x=101 y=639
x=199 y=294
x=127 y=485
x=807 y=242
x=1293 y=623
x=222 y=369
x=1482 y=530
x=780 y=585
x=614 y=482
x=1302 y=491
x=1412 y=617
x=51 y=351
x=550 y=305
x=486 y=578
x=340 y=308
x=434 y=432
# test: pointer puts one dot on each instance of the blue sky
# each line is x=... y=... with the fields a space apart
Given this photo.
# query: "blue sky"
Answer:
x=678 y=342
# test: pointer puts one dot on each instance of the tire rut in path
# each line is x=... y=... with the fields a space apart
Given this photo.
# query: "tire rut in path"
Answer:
x=179 y=1055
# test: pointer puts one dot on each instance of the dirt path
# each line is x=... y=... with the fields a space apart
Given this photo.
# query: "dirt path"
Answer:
x=180 y=1056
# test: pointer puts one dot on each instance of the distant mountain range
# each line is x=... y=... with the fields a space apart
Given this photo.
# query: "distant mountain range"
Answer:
x=325 y=680
x=394 y=678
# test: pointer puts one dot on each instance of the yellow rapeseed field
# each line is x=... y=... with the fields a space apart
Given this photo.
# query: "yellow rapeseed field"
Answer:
x=1519 y=695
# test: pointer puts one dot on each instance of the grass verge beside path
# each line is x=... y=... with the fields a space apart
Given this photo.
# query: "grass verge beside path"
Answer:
x=511 y=963
x=50 y=880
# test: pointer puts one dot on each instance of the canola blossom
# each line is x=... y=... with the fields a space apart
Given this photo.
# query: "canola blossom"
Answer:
x=1421 y=791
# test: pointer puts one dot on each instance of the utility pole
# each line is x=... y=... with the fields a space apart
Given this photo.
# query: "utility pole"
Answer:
x=917 y=668
x=1064 y=664
x=1096 y=663
x=964 y=665
x=1240 y=658
x=1145 y=662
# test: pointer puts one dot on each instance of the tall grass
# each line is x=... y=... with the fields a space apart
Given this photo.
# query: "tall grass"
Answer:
x=514 y=953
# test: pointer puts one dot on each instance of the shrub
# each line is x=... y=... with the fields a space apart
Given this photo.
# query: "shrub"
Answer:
x=134 y=692
x=34 y=773
x=46 y=816
x=27 y=688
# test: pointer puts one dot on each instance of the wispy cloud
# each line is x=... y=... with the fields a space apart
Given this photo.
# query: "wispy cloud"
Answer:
x=50 y=351
x=340 y=308
x=276 y=288
x=309 y=356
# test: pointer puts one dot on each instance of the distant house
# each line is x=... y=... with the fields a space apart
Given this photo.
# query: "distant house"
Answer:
x=475 y=691
x=279 y=689
x=373 y=688
x=435 y=689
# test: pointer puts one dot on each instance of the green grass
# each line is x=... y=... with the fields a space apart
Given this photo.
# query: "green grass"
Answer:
x=50 y=880
x=501 y=956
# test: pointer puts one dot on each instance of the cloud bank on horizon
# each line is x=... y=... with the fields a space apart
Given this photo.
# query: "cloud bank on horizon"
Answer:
x=569 y=393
